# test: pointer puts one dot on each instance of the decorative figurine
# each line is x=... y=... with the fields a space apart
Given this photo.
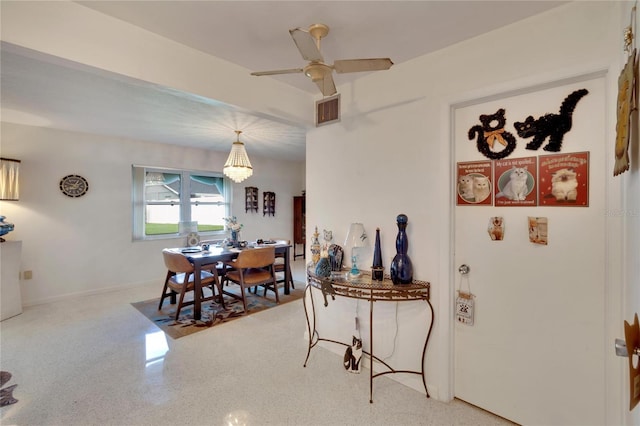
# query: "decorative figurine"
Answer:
x=377 y=270
x=5 y=227
x=335 y=257
x=323 y=267
x=315 y=248
x=327 y=236
x=354 y=272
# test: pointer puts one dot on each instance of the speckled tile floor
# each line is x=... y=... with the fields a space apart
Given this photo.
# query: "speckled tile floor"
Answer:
x=97 y=361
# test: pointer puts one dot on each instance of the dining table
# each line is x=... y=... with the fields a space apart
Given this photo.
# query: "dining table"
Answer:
x=201 y=258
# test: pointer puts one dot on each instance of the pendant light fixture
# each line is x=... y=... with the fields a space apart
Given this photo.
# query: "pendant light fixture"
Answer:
x=238 y=167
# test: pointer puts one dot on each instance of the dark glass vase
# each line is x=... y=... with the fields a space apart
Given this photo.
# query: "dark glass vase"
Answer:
x=401 y=268
x=377 y=270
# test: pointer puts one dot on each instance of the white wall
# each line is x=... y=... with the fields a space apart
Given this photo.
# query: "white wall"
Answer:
x=84 y=245
x=391 y=154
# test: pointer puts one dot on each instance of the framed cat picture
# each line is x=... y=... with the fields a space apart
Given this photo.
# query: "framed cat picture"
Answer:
x=515 y=182
x=473 y=183
x=564 y=180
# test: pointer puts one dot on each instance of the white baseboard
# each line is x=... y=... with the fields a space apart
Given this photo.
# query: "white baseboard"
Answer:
x=75 y=295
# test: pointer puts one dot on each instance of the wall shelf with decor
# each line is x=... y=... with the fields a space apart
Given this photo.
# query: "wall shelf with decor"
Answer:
x=268 y=203
x=251 y=199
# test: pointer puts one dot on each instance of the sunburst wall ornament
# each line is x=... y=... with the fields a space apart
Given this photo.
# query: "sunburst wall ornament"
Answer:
x=238 y=167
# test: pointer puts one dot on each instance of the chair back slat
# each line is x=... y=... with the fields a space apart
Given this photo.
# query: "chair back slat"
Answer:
x=176 y=262
x=256 y=258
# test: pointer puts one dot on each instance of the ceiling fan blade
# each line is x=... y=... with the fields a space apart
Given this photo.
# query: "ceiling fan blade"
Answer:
x=360 y=65
x=306 y=45
x=275 y=72
x=326 y=85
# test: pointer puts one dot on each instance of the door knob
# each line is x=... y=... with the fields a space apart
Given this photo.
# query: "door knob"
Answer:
x=621 y=348
x=464 y=269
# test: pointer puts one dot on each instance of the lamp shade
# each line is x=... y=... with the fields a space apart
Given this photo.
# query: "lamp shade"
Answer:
x=238 y=167
x=356 y=237
x=9 y=172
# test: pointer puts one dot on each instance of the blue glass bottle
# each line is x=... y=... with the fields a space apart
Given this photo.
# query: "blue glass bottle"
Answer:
x=401 y=268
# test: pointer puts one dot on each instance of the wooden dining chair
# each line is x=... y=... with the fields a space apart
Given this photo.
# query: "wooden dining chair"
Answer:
x=252 y=268
x=180 y=280
x=280 y=265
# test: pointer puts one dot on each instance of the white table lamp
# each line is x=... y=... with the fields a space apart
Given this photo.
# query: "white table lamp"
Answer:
x=356 y=238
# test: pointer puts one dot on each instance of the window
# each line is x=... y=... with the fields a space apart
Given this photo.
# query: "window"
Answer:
x=167 y=202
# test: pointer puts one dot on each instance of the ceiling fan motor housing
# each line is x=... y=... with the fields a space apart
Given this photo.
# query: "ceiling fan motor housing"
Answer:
x=316 y=71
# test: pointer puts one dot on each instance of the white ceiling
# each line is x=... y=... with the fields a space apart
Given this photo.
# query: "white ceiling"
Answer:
x=253 y=34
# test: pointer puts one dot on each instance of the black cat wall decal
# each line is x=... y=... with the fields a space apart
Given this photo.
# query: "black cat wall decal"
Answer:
x=553 y=126
x=491 y=131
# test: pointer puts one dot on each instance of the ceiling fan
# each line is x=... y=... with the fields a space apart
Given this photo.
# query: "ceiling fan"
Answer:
x=308 y=43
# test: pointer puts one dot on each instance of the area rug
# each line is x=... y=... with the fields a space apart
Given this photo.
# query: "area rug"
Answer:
x=212 y=312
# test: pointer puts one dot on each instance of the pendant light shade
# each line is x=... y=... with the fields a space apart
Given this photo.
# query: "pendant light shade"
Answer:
x=238 y=167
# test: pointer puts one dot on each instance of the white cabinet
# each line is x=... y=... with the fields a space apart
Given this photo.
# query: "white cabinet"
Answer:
x=10 y=296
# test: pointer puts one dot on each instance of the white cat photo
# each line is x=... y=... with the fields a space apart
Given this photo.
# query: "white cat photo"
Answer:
x=516 y=189
x=465 y=187
x=481 y=188
x=564 y=185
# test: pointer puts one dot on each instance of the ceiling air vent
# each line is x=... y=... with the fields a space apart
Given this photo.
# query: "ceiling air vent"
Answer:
x=328 y=110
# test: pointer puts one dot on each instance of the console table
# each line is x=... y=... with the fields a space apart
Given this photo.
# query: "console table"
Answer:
x=364 y=288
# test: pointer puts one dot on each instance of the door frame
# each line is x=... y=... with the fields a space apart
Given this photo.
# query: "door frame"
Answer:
x=613 y=292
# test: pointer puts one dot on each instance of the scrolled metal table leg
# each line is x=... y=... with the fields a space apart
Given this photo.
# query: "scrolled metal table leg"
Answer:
x=311 y=332
x=371 y=350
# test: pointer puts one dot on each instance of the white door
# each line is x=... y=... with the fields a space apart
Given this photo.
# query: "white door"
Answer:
x=535 y=352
